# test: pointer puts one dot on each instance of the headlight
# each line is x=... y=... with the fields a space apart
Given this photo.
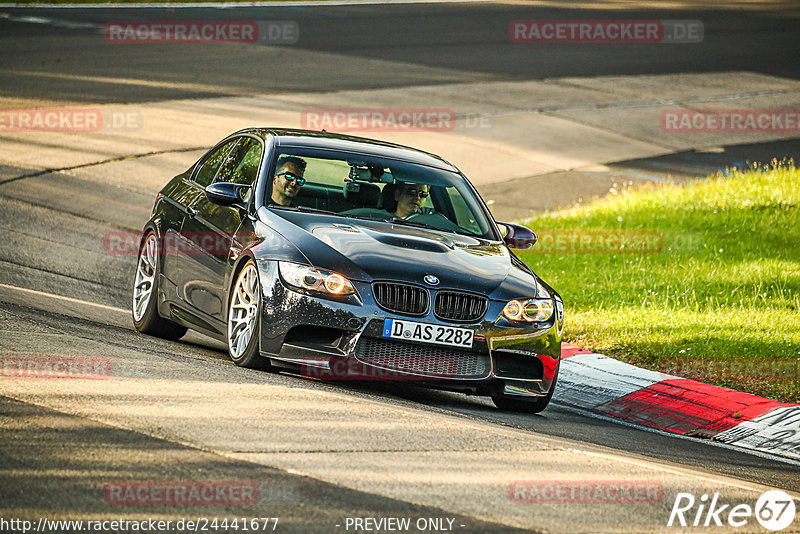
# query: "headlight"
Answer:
x=530 y=310
x=316 y=280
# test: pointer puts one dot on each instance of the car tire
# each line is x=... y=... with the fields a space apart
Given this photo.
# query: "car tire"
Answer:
x=144 y=308
x=244 y=319
x=528 y=405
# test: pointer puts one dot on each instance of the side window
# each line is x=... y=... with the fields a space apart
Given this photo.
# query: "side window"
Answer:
x=326 y=171
x=209 y=166
x=241 y=166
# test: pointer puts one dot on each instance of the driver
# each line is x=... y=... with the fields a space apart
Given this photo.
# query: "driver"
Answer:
x=410 y=198
x=288 y=179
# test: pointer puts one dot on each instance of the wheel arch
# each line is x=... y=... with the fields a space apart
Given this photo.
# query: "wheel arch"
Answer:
x=154 y=225
x=238 y=265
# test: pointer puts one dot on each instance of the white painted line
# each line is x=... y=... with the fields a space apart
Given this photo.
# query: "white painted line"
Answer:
x=702 y=441
x=58 y=23
x=777 y=432
x=66 y=299
x=125 y=81
x=589 y=380
x=228 y=5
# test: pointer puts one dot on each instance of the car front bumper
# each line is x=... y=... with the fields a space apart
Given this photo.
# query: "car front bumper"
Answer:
x=342 y=340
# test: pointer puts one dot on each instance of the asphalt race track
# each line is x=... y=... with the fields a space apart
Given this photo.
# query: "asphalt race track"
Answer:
x=434 y=43
x=318 y=452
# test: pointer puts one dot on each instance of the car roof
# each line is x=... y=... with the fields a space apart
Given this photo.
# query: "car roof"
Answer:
x=295 y=138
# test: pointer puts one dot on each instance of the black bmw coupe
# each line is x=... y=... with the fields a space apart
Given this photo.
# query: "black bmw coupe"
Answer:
x=341 y=257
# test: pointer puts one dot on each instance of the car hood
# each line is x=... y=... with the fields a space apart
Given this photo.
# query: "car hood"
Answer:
x=375 y=250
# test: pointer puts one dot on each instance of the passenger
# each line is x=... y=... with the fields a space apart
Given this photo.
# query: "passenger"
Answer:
x=410 y=198
x=288 y=179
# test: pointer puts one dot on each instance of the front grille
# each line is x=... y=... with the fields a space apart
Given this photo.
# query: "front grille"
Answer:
x=440 y=362
x=401 y=298
x=458 y=306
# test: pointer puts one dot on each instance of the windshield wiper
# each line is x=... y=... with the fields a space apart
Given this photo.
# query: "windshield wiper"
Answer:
x=412 y=223
x=366 y=218
x=306 y=209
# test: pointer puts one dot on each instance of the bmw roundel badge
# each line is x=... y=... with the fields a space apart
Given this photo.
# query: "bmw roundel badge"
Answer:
x=430 y=279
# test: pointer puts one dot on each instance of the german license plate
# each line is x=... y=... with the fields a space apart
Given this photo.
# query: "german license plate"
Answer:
x=428 y=333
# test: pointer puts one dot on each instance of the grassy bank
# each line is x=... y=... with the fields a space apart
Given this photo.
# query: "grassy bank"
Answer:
x=714 y=293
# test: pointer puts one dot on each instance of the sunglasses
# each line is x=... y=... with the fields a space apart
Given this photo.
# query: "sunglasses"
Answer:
x=291 y=177
x=416 y=193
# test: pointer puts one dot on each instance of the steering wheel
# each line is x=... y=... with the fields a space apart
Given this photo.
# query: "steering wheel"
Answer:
x=436 y=219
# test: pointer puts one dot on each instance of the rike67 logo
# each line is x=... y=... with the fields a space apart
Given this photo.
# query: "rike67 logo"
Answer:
x=774 y=510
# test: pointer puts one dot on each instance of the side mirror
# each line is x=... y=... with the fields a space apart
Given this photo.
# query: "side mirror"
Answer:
x=228 y=194
x=518 y=236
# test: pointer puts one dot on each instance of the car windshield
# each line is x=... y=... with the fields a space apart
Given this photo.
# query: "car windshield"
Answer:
x=366 y=187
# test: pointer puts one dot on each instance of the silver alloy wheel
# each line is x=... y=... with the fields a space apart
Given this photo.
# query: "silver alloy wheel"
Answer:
x=243 y=310
x=145 y=277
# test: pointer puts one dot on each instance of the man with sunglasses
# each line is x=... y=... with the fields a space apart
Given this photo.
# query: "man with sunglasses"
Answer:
x=288 y=179
x=410 y=198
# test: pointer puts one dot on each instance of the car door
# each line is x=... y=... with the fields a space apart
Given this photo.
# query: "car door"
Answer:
x=192 y=187
x=208 y=229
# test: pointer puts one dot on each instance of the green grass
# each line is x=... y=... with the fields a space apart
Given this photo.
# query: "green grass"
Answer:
x=725 y=286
